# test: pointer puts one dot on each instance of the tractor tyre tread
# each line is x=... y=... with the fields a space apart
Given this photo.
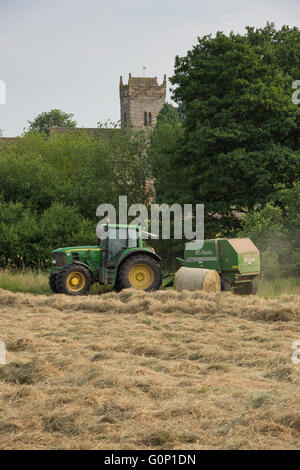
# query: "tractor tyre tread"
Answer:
x=122 y=281
x=52 y=282
x=62 y=275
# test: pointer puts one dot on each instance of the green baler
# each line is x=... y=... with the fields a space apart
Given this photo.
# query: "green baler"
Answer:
x=237 y=260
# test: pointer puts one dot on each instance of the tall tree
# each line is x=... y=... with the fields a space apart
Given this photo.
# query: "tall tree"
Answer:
x=55 y=117
x=241 y=132
x=51 y=188
x=164 y=142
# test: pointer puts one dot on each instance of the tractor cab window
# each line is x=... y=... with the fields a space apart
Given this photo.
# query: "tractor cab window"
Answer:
x=117 y=243
x=133 y=238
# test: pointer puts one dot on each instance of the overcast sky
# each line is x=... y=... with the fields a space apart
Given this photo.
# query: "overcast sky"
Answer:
x=69 y=54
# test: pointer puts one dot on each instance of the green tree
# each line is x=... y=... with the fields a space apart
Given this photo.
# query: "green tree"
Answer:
x=266 y=229
x=241 y=132
x=27 y=238
x=55 y=117
x=164 y=143
x=169 y=114
x=275 y=230
x=290 y=201
x=51 y=188
x=130 y=171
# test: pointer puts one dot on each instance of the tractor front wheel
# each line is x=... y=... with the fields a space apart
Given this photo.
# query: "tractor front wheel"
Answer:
x=73 y=280
x=140 y=272
x=52 y=283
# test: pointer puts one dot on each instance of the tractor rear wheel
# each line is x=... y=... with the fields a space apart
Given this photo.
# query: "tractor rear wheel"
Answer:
x=140 y=272
x=52 y=283
x=248 y=288
x=73 y=279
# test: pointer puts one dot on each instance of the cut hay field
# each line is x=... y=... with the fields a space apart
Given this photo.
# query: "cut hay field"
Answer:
x=149 y=371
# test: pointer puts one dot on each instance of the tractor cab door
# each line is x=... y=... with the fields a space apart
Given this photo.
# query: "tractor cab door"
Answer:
x=119 y=239
x=111 y=247
x=117 y=243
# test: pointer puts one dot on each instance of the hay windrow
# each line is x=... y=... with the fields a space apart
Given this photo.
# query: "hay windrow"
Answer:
x=285 y=308
x=135 y=370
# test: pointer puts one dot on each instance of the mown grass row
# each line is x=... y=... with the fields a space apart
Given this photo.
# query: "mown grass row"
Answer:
x=36 y=282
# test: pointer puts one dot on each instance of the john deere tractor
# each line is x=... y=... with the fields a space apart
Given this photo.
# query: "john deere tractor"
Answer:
x=120 y=260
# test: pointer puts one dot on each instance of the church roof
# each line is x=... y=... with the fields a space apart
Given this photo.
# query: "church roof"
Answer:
x=143 y=81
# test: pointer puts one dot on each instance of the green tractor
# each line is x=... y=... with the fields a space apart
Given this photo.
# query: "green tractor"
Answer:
x=120 y=260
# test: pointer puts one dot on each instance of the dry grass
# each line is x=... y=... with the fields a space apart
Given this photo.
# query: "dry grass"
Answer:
x=276 y=287
x=165 y=370
x=36 y=282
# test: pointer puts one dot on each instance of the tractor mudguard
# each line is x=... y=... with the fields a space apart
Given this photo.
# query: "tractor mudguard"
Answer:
x=139 y=250
x=87 y=267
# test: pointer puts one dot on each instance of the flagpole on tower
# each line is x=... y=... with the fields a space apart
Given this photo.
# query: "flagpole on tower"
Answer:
x=144 y=70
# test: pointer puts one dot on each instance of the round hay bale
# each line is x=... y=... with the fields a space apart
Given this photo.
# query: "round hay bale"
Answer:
x=207 y=280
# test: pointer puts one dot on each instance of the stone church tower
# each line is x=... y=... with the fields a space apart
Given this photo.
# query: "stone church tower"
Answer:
x=141 y=100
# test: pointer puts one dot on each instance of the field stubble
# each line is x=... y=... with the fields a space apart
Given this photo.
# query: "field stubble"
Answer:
x=163 y=370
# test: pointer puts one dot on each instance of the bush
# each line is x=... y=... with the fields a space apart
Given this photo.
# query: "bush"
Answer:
x=51 y=188
x=27 y=238
x=275 y=231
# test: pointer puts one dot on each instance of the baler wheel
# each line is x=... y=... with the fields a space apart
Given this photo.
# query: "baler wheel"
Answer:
x=225 y=285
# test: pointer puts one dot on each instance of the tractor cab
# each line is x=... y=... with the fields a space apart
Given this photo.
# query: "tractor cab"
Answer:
x=115 y=239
